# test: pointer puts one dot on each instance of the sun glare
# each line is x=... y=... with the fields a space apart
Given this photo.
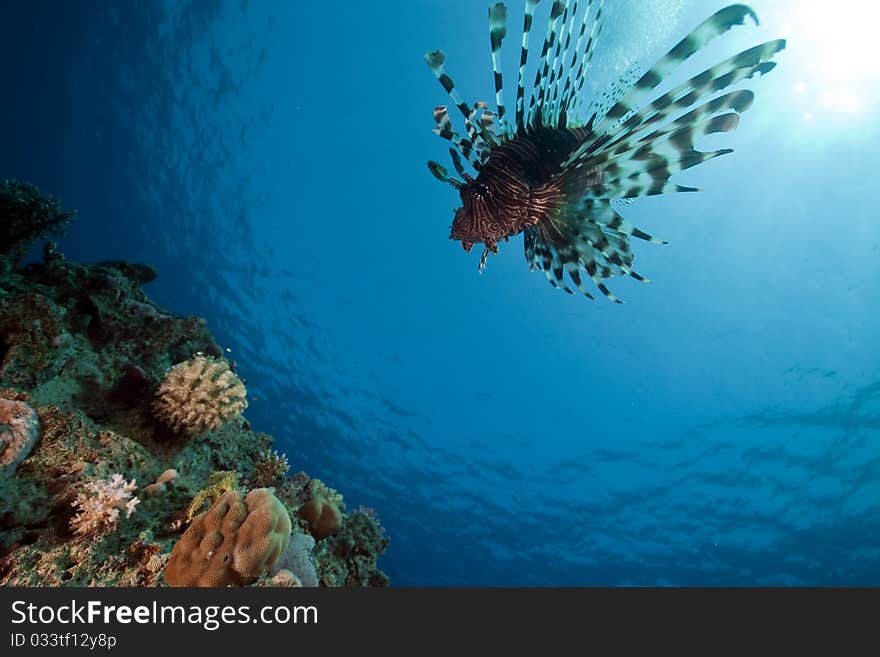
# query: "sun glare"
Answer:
x=832 y=52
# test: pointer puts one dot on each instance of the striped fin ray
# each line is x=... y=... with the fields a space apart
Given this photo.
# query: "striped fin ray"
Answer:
x=435 y=60
x=585 y=22
x=459 y=167
x=523 y=59
x=479 y=128
x=570 y=100
x=756 y=60
x=637 y=145
x=539 y=87
x=445 y=130
x=557 y=68
x=620 y=225
x=597 y=220
x=646 y=169
x=722 y=21
x=735 y=69
x=575 y=242
x=497 y=32
x=642 y=164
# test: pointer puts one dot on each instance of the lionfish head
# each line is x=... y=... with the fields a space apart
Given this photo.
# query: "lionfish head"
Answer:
x=473 y=222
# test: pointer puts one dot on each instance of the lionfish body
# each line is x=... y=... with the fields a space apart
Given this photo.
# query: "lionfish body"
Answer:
x=555 y=171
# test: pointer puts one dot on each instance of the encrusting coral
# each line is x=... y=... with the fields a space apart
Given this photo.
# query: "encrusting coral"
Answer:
x=199 y=394
x=233 y=543
x=19 y=429
x=85 y=350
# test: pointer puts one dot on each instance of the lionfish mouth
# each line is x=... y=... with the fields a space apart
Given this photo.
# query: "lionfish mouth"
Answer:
x=467 y=243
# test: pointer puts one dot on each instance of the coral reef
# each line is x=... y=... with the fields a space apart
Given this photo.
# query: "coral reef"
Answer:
x=233 y=543
x=198 y=395
x=19 y=429
x=84 y=354
x=27 y=215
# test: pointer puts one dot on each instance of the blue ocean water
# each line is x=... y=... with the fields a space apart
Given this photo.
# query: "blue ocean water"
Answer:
x=268 y=158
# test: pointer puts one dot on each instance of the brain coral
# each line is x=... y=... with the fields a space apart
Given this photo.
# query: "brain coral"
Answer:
x=232 y=543
x=199 y=394
x=19 y=428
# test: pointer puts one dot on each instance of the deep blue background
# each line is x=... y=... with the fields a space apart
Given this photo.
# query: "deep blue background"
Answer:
x=268 y=158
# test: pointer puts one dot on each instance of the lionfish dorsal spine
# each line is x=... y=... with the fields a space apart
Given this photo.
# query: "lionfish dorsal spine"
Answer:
x=572 y=98
x=539 y=86
x=562 y=40
x=528 y=19
x=497 y=32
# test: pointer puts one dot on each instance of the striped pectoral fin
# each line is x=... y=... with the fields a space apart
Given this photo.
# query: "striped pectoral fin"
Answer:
x=607 y=233
x=755 y=61
x=744 y=65
x=643 y=166
x=569 y=249
x=716 y=25
x=614 y=222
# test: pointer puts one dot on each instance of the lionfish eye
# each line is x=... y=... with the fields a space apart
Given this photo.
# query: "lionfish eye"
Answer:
x=481 y=190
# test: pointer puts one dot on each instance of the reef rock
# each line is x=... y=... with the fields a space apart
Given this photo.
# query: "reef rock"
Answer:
x=19 y=429
x=84 y=356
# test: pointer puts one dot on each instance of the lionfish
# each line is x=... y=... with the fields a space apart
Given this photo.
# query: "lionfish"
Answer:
x=558 y=173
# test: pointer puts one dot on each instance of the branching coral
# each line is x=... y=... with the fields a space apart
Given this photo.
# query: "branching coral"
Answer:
x=269 y=469
x=19 y=428
x=198 y=395
x=99 y=507
x=27 y=215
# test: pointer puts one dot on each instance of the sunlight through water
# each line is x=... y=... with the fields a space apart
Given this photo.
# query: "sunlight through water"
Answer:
x=832 y=51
